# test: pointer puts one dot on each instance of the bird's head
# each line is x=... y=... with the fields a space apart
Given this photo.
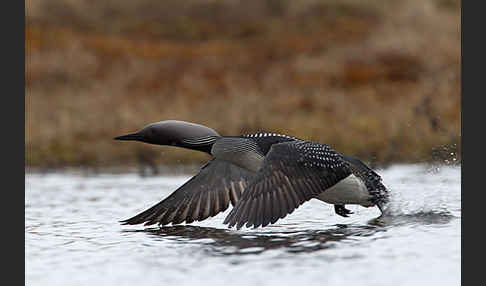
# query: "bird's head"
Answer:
x=172 y=133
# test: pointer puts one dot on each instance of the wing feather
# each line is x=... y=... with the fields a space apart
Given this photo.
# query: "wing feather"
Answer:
x=292 y=173
x=208 y=193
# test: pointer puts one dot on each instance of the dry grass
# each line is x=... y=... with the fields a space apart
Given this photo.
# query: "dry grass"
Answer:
x=380 y=80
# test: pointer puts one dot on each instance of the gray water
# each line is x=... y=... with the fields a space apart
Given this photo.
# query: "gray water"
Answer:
x=72 y=236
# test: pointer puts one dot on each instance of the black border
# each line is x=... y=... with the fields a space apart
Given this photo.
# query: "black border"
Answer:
x=472 y=113
x=13 y=143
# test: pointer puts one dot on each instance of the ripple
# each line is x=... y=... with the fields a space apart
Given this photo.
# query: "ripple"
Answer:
x=418 y=218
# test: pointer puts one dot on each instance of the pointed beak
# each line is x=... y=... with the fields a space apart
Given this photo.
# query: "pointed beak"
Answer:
x=130 y=137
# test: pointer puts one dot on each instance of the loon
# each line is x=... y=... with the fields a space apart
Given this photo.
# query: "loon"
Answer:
x=265 y=176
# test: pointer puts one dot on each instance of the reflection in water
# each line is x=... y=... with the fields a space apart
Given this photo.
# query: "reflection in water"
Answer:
x=229 y=242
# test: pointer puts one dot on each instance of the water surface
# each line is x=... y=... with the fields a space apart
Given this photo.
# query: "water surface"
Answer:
x=72 y=236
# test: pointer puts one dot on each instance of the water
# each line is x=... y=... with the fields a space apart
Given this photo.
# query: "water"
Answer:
x=72 y=236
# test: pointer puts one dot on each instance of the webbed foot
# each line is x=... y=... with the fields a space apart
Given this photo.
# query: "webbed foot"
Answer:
x=342 y=211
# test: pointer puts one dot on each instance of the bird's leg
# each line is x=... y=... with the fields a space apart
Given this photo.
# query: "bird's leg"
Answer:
x=341 y=210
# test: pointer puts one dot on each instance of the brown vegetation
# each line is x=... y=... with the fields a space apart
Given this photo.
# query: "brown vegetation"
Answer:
x=380 y=80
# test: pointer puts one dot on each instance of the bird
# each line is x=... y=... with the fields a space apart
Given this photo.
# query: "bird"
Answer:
x=265 y=176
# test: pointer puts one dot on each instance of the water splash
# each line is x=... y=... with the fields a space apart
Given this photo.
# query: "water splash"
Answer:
x=423 y=195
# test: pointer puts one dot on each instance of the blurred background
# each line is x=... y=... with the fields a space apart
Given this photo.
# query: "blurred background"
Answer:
x=377 y=79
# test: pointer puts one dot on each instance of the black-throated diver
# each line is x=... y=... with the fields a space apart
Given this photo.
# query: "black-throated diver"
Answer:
x=265 y=176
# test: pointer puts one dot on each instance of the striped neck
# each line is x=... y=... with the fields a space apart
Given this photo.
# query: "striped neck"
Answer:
x=203 y=144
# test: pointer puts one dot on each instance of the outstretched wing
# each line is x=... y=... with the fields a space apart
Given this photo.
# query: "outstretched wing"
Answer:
x=204 y=195
x=292 y=173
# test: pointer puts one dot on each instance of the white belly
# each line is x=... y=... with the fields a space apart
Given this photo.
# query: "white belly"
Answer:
x=350 y=190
